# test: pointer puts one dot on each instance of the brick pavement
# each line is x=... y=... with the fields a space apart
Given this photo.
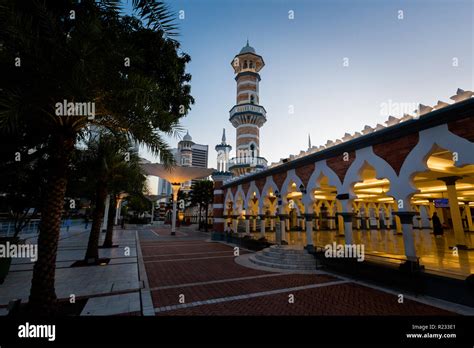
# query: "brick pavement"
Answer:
x=344 y=299
x=204 y=271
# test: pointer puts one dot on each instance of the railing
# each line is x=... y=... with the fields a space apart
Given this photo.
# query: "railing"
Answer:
x=7 y=228
x=248 y=160
x=247 y=108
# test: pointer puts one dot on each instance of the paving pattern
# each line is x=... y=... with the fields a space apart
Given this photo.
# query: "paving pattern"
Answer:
x=199 y=277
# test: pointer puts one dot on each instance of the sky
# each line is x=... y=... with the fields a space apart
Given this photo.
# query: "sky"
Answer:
x=420 y=55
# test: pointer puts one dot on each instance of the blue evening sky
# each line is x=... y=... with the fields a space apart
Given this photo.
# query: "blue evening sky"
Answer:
x=407 y=60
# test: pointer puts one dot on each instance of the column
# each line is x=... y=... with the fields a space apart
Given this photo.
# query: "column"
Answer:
x=467 y=211
x=262 y=225
x=235 y=223
x=117 y=211
x=218 y=224
x=340 y=223
x=254 y=223
x=398 y=225
x=425 y=220
x=406 y=221
x=175 y=188
x=106 y=213
x=247 y=225
x=272 y=223
x=152 y=212
x=309 y=231
x=283 y=221
x=458 y=229
x=347 y=217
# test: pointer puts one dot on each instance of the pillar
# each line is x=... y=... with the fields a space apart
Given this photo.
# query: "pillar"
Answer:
x=406 y=221
x=454 y=209
x=247 y=225
x=283 y=221
x=152 y=212
x=309 y=231
x=117 y=211
x=272 y=223
x=175 y=188
x=424 y=214
x=254 y=223
x=262 y=225
x=467 y=211
x=340 y=224
x=106 y=213
x=218 y=224
x=235 y=223
x=347 y=218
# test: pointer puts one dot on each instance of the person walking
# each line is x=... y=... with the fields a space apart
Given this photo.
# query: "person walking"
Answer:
x=68 y=223
x=437 y=226
x=86 y=222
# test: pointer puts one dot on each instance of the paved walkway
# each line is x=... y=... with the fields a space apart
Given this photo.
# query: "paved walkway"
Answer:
x=192 y=276
x=112 y=289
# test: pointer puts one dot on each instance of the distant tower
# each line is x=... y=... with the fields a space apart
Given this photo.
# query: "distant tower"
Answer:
x=223 y=150
x=247 y=116
x=185 y=151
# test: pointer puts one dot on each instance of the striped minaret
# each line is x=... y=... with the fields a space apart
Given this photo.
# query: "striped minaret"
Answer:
x=247 y=115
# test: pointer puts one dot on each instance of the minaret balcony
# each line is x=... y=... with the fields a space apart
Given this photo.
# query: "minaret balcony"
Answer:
x=248 y=161
x=248 y=113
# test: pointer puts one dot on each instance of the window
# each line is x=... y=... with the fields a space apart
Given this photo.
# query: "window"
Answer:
x=245 y=64
x=252 y=99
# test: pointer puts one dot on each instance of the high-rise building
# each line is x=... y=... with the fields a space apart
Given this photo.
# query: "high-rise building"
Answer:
x=188 y=154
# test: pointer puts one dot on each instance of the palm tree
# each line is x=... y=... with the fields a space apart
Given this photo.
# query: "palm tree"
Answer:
x=202 y=195
x=47 y=57
x=127 y=178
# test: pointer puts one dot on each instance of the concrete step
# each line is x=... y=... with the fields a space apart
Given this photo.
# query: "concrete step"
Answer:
x=287 y=250
x=270 y=253
x=301 y=261
x=294 y=267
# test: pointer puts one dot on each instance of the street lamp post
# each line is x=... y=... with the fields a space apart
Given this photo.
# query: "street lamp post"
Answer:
x=175 y=188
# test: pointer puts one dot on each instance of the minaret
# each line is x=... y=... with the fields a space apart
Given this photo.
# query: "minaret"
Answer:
x=247 y=116
x=186 y=151
x=223 y=150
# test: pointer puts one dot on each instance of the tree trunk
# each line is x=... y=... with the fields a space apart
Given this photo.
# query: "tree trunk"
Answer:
x=92 y=253
x=207 y=212
x=42 y=300
x=199 y=217
x=108 y=242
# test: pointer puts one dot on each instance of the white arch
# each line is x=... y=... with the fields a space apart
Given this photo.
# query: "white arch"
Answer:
x=382 y=168
x=321 y=168
x=290 y=177
x=240 y=193
x=269 y=184
x=416 y=161
x=253 y=188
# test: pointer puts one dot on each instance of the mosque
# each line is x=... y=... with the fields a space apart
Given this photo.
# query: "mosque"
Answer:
x=380 y=186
